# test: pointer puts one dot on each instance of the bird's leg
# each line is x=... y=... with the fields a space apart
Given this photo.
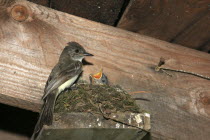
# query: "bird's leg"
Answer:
x=91 y=81
x=73 y=87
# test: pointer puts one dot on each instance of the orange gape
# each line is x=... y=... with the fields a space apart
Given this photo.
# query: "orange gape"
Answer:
x=98 y=75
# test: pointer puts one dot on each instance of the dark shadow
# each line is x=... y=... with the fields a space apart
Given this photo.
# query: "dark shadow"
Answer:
x=142 y=99
x=17 y=120
x=122 y=10
x=147 y=137
x=84 y=62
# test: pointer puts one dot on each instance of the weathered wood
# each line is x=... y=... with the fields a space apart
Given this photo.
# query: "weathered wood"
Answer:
x=196 y=35
x=103 y=11
x=182 y=22
x=72 y=125
x=180 y=105
x=88 y=120
x=5 y=135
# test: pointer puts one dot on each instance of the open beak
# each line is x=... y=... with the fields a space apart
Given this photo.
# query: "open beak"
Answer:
x=98 y=75
x=87 y=54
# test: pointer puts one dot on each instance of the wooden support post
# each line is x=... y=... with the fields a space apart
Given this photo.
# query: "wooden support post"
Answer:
x=32 y=38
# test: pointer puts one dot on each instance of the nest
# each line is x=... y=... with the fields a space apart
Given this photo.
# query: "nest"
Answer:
x=94 y=98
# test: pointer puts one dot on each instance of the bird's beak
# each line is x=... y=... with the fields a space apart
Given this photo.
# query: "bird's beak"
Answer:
x=87 y=54
x=98 y=75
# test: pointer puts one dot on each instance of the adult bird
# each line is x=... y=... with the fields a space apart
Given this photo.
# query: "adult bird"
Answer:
x=62 y=76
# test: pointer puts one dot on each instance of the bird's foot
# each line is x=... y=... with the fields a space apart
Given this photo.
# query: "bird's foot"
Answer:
x=74 y=87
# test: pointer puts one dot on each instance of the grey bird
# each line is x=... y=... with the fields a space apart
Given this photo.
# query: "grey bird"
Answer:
x=62 y=76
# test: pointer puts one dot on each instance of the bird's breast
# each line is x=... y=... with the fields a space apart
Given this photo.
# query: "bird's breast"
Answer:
x=67 y=84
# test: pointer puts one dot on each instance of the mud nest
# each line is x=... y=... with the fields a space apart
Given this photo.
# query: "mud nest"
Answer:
x=93 y=98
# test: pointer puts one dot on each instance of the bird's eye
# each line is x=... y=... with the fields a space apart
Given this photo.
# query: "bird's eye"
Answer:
x=76 y=51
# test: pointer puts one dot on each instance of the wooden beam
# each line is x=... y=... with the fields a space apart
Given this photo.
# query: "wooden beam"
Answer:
x=196 y=35
x=177 y=21
x=32 y=38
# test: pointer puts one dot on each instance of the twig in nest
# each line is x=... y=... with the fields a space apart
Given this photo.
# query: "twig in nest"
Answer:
x=109 y=118
x=162 y=62
x=137 y=92
x=142 y=99
x=91 y=102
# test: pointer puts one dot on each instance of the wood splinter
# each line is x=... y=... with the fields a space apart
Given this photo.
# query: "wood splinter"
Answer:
x=162 y=62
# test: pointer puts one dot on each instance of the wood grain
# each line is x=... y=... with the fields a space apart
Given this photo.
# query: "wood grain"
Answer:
x=197 y=35
x=183 y=22
x=29 y=49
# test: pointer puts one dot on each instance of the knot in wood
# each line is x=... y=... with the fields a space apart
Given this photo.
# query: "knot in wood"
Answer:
x=205 y=100
x=157 y=68
x=19 y=13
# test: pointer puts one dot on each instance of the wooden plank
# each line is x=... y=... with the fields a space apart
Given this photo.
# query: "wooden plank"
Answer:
x=197 y=35
x=177 y=21
x=5 y=135
x=32 y=38
x=69 y=120
x=103 y=11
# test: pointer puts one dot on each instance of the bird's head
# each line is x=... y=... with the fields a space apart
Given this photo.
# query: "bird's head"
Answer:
x=75 y=51
x=99 y=78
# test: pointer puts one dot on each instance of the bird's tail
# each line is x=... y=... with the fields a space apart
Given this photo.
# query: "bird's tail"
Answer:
x=46 y=114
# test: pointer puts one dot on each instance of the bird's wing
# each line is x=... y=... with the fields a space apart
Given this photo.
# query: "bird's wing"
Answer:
x=61 y=74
